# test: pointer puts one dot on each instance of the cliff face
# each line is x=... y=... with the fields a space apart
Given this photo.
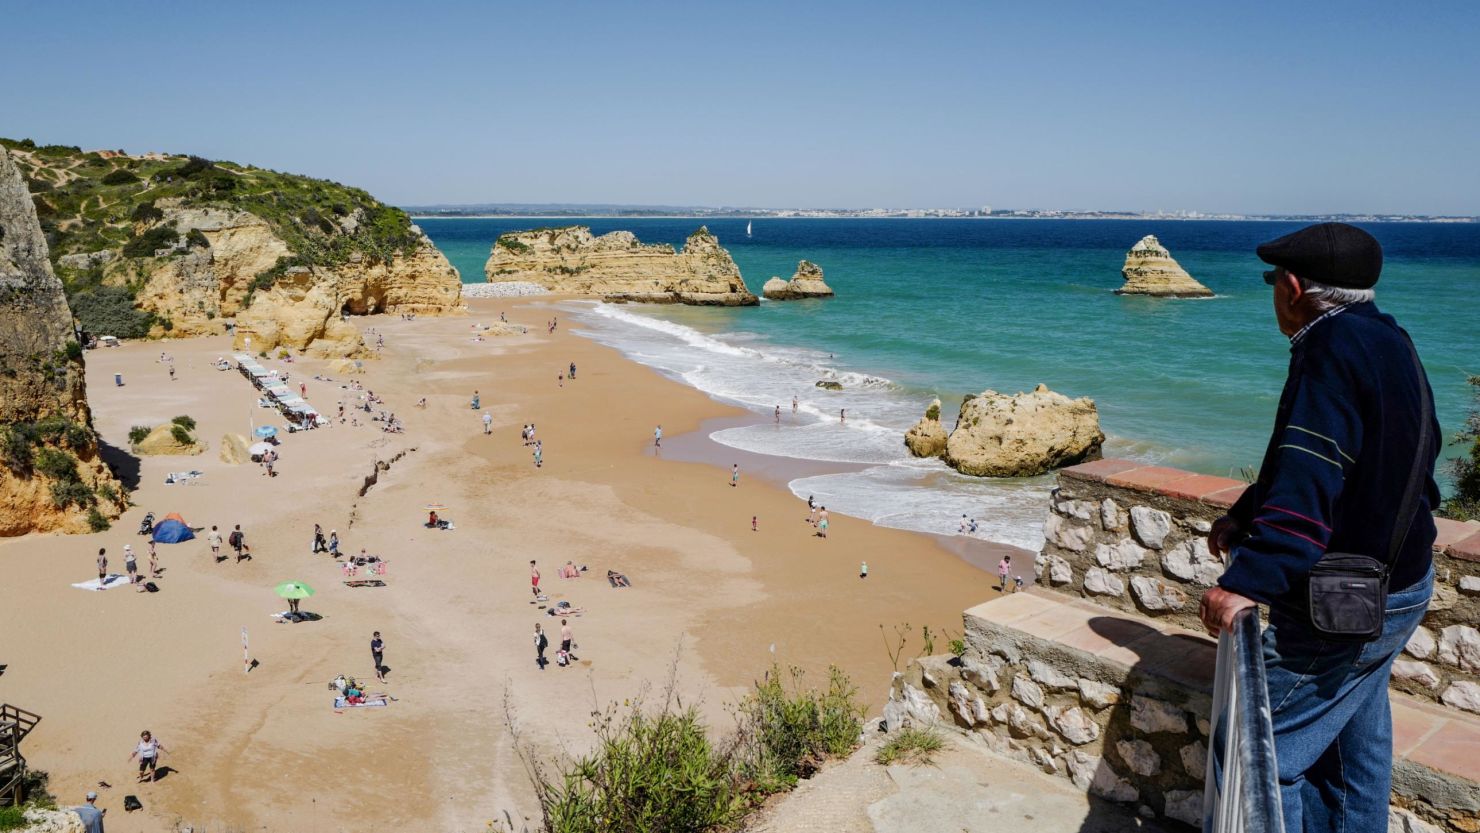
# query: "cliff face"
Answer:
x=49 y=468
x=805 y=283
x=1150 y=270
x=618 y=267
x=164 y=245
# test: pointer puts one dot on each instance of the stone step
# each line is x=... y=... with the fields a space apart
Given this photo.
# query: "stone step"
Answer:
x=1032 y=648
x=1132 y=538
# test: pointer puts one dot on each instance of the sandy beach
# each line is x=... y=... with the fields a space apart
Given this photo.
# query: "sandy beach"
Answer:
x=265 y=750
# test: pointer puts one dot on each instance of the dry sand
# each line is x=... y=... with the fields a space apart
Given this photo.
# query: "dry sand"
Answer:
x=265 y=751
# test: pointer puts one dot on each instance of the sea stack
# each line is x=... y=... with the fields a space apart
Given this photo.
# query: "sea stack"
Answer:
x=806 y=283
x=998 y=435
x=927 y=438
x=618 y=267
x=51 y=476
x=1150 y=270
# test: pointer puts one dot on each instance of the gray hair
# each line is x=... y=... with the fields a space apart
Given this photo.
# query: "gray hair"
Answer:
x=1323 y=297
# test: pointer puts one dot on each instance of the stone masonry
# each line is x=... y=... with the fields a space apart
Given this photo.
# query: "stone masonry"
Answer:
x=1134 y=538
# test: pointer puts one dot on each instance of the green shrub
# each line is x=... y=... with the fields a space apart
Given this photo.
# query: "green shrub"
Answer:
x=119 y=176
x=12 y=818
x=181 y=435
x=110 y=494
x=958 y=647
x=933 y=412
x=56 y=464
x=794 y=731
x=71 y=493
x=1464 y=504
x=138 y=433
x=146 y=212
x=109 y=310
x=912 y=745
x=146 y=244
x=97 y=521
x=73 y=350
x=16 y=448
x=649 y=772
x=185 y=421
x=196 y=239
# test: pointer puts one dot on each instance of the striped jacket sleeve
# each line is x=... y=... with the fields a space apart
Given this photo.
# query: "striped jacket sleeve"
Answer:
x=1314 y=452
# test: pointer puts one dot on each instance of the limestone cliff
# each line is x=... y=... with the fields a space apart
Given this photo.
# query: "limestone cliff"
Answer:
x=998 y=435
x=50 y=473
x=618 y=267
x=806 y=283
x=165 y=245
x=1150 y=270
x=927 y=438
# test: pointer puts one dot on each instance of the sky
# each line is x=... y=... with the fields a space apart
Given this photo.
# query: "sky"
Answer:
x=1250 y=107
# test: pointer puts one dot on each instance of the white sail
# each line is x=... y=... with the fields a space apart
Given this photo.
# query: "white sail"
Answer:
x=747 y=228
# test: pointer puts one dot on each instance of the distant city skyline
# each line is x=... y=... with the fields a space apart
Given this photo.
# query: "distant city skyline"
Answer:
x=1258 y=108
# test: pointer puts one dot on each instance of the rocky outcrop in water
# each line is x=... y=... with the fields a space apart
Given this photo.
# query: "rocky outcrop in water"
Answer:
x=1150 y=270
x=927 y=438
x=998 y=435
x=618 y=267
x=50 y=472
x=806 y=283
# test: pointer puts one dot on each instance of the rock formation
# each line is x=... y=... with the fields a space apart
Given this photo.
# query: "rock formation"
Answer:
x=1150 y=270
x=618 y=267
x=927 y=438
x=806 y=283
x=162 y=440
x=1015 y=436
x=50 y=472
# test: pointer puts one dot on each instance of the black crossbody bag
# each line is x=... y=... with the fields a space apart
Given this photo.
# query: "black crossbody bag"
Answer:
x=1348 y=592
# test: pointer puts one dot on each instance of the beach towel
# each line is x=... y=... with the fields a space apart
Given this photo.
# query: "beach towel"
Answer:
x=365 y=582
x=114 y=580
x=370 y=702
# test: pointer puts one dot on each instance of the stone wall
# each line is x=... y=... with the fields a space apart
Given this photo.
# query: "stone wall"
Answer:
x=1134 y=538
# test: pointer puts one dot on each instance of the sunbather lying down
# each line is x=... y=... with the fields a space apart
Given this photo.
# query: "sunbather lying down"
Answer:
x=617 y=579
x=564 y=608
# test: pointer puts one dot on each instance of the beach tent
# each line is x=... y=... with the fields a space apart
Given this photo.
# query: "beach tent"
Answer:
x=172 y=530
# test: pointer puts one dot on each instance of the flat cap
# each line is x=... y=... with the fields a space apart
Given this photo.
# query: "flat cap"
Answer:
x=1335 y=254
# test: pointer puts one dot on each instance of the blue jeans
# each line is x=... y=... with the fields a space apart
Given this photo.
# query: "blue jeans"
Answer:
x=1333 y=726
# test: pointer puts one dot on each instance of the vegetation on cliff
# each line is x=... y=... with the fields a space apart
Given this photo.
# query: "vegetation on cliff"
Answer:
x=89 y=202
x=1464 y=504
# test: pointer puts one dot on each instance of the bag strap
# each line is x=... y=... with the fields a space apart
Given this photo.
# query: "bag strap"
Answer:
x=1408 y=510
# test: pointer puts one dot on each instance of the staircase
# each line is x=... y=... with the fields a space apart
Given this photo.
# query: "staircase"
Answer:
x=15 y=724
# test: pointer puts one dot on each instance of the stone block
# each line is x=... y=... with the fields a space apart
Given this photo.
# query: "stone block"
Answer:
x=1027 y=692
x=1120 y=556
x=1191 y=560
x=1151 y=716
x=1081 y=510
x=1059 y=571
x=1099 y=582
x=1112 y=517
x=1138 y=757
x=968 y=707
x=980 y=674
x=1098 y=695
x=1416 y=672
x=1459 y=646
x=1077 y=727
x=1151 y=526
x=1044 y=760
x=1047 y=675
x=1422 y=644
x=1156 y=595
x=1067 y=534
x=1469 y=585
x=1194 y=759
x=910 y=705
x=1462 y=695
x=1185 y=806
x=1402 y=821
x=1024 y=723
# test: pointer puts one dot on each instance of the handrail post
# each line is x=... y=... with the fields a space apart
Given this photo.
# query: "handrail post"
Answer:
x=1242 y=791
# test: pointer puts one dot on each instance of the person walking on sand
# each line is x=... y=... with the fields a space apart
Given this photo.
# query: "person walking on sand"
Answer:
x=567 y=638
x=658 y=437
x=215 y=540
x=102 y=566
x=1004 y=568
x=754 y=523
x=333 y=543
x=735 y=475
x=377 y=654
x=319 y=544
x=487 y=423
x=153 y=559
x=172 y=373
x=539 y=454
x=822 y=522
x=541 y=642
x=238 y=541
x=572 y=371
x=131 y=564
x=534 y=581
x=147 y=751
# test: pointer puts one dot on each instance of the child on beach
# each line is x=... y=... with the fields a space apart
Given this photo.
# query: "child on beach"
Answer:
x=333 y=543
x=539 y=454
x=658 y=437
x=487 y=423
x=863 y=570
x=735 y=475
x=153 y=561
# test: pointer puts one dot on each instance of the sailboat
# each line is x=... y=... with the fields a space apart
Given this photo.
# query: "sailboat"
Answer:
x=747 y=228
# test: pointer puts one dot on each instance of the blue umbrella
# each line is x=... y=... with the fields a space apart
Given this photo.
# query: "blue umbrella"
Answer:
x=266 y=431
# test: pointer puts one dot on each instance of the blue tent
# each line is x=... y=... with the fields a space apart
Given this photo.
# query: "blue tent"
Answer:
x=172 y=531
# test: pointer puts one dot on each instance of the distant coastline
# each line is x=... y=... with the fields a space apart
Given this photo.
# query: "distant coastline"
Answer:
x=488 y=212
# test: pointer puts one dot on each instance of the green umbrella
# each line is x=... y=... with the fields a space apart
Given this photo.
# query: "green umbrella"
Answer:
x=294 y=590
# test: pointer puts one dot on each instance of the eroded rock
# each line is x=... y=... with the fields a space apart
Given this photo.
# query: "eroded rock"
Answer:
x=1151 y=526
x=805 y=283
x=1157 y=596
x=1099 y=582
x=1029 y=433
x=1150 y=270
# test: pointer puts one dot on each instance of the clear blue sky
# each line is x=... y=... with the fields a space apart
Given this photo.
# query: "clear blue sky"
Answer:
x=1286 y=107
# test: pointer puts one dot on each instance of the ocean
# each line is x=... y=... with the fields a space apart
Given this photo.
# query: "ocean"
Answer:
x=942 y=308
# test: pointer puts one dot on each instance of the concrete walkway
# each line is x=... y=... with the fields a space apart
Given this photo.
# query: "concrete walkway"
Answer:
x=966 y=790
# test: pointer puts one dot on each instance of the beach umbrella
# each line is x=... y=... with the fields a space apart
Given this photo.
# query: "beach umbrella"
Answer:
x=294 y=590
x=266 y=431
x=259 y=449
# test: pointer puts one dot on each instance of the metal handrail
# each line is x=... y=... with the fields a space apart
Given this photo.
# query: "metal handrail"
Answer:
x=1242 y=790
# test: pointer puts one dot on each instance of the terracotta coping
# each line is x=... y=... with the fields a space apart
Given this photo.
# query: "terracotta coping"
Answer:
x=1456 y=539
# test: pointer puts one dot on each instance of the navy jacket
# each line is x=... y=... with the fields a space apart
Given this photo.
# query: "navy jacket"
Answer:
x=1343 y=445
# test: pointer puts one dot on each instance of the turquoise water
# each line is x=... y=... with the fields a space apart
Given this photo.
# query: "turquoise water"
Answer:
x=948 y=307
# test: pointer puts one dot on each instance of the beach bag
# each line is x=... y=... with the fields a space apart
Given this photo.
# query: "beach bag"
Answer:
x=151 y=587
x=131 y=803
x=1348 y=592
x=562 y=658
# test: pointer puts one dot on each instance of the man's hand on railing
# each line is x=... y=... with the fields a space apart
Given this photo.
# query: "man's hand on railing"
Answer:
x=1219 y=606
